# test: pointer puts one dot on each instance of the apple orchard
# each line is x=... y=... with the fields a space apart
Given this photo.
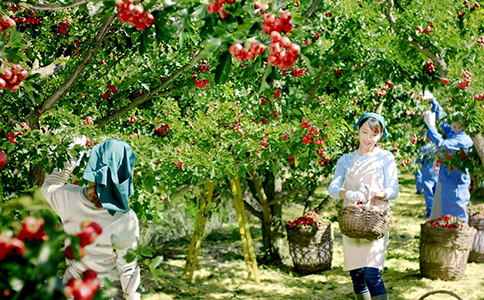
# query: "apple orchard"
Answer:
x=207 y=91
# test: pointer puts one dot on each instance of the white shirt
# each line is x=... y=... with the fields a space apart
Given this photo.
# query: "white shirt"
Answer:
x=384 y=163
x=106 y=255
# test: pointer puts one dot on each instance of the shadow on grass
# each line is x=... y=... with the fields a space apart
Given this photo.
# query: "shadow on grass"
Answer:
x=221 y=272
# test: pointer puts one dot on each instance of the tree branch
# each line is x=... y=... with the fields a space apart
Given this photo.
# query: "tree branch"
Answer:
x=283 y=198
x=316 y=84
x=117 y=61
x=318 y=79
x=311 y=9
x=252 y=210
x=185 y=188
x=157 y=91
x=437 y=58
x=49 y=6
x=80 y=68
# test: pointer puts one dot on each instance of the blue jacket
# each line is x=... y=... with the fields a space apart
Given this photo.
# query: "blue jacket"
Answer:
x=427 y=157
x=453 y=144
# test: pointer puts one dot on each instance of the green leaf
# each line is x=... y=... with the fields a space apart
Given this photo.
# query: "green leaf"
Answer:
x=219 y=31
x=146 y=252
x=211 y=45
x=223 y=68
x=264 y=85
x=15 y=40
x=162 y=30
x=144 y=42
x=156 y=262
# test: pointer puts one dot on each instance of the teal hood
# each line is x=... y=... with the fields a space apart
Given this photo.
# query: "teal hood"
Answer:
x=110 y=165
x=376 y=116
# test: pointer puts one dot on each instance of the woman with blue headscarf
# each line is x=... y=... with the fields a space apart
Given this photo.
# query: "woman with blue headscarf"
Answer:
x=367 y=175
x=105 y=202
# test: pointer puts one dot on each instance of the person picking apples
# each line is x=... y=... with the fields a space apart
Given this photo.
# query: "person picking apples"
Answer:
x=368 y=174
x=452 y=193
x=103 y=203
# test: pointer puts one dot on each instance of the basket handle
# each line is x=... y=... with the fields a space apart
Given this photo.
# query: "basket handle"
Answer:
x=440 y=292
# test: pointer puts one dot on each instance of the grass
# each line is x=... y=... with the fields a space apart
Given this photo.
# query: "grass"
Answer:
x=221 y=272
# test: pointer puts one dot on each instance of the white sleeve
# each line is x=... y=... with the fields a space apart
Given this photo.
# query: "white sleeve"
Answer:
x=338 y=178
x=390 y=177
x=130 y=272
x=53 y=182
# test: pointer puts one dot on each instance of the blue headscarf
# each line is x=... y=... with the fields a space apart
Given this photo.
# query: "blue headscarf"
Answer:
x=111 y=166
x=380 y=118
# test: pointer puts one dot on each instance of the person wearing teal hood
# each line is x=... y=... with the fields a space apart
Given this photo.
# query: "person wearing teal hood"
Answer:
x=110 y=166
x=366 y=176
x=106 y=203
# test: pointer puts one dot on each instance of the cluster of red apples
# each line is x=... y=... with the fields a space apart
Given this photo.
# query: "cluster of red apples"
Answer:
x=134 y=14
x=12 y=76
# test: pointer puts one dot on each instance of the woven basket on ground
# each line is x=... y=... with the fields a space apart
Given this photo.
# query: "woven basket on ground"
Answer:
x=311 y=249
x=361 y=222
x=444 y=251
x=477 y=251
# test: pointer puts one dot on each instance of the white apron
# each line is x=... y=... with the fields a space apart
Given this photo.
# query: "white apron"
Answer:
x=437 y=204
x=359 y=253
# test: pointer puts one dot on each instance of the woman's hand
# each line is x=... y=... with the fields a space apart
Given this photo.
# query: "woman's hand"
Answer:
x=380 y=196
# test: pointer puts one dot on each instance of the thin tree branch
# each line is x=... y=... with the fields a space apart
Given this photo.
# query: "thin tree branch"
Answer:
x=185 y=188
x=318 y=79
x=311 y=9
x=157 y=91
x=435 y=57
x=80 y=68
x=294 y=191
x=117 y=61
x=252 y=210
x=316 y=84
x=49 y=6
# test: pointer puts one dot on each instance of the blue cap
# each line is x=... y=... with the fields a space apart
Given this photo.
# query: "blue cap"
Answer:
x=376 y=116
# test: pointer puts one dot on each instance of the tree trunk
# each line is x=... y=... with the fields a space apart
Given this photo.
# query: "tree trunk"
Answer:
x=478 y=140
x=37 y=172
x=266 y=193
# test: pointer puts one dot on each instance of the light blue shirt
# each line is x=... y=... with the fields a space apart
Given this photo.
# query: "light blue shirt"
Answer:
x=384 y=164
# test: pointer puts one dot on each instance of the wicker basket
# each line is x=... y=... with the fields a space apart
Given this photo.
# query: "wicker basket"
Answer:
x=477 y=251
x=360 y=222
x=311 y=251
x=444 y=252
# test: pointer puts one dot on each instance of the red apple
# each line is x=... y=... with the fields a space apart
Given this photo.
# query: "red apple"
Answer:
x=87 y=236
x=222 y=13
x=275 y=37
x=294 y=49
x=269 y=18
x=212 y=7
x=3 y=159
x=235 y=49
x=285 y=42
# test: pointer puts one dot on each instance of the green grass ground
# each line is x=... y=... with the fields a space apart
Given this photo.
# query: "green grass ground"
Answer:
x=221 y=272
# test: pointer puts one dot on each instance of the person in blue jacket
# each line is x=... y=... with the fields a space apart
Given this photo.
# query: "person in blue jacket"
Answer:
x=452 y=182
x=418 y=180
x=429 y=174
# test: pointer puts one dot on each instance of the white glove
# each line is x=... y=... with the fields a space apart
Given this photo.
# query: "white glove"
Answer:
x=366 y=190
x=78 y=141
x=429 y=118
x=428 y=95
x=355 y=196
